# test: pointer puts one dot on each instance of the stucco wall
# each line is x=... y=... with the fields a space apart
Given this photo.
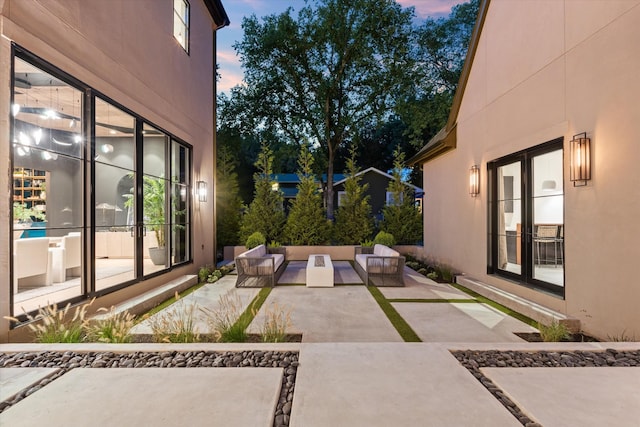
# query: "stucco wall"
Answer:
x=125 y=50
x=546 y=69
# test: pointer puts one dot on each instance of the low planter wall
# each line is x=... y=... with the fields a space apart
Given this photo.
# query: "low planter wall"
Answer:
x=342 y=252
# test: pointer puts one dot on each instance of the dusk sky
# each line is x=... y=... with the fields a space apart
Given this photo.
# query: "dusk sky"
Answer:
x=237 y=9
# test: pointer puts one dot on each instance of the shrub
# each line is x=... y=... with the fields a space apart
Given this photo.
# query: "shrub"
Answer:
x=113 y=328
x=274 y=244
x=384 y=238
x=556 y=331
x=175 y=324
x=276 y=321
x=228 y=201
x=256 y=239
x=367 y=244
x=204 y=273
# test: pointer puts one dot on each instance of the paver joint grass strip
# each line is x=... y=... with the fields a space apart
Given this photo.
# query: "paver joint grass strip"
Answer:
x=435 y=300
x=254 y=307
x=403 y=328
x=168 y=302
x=521 y=317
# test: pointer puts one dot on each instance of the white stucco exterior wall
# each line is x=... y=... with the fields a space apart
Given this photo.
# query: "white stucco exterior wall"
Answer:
x=545 y=69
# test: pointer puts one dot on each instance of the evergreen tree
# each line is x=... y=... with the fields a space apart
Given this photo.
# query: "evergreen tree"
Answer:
x=353 y=219
x=401 y=218
x=228 y=202
x=307 y=223
x=265 y=213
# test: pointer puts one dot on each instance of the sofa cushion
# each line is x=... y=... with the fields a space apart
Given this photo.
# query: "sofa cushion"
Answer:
x=257 y=252
x=382 y=250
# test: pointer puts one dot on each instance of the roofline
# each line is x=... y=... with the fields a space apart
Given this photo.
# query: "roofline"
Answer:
x=378 y=171
x=446 y=139
x=217 y=12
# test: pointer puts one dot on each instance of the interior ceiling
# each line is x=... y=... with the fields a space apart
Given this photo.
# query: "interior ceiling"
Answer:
x=50 y=103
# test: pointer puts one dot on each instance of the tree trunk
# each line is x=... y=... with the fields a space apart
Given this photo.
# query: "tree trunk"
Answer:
x=329 y=192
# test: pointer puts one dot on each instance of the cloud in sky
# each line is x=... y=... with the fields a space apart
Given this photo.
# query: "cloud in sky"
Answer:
x=230 y=68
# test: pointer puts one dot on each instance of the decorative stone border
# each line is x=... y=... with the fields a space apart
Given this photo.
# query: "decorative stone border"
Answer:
x=475 y=360
x=68 y=360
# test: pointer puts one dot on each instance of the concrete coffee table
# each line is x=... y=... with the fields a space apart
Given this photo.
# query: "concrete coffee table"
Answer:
x=319 y=271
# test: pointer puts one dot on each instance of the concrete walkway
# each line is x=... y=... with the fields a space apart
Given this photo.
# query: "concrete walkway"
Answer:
x=353 y=371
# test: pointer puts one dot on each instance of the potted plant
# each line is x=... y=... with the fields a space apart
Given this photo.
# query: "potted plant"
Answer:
x=153 y=206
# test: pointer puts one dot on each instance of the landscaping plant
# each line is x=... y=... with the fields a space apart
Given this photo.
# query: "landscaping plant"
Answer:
x=554 y=332
x=307 y=223
x=113 y=328
x=353 y=217
x=256 y=239
x=277 y=320
x=52 y=325
x=176 y=324
x=401 y=217
x=265 y=213
x=384 y=238
x=223 y=321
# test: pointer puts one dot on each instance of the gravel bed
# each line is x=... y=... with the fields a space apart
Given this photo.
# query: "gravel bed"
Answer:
x=65 y=361
x=475 y=360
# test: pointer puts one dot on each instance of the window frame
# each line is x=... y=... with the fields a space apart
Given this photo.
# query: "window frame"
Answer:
x=186 y=24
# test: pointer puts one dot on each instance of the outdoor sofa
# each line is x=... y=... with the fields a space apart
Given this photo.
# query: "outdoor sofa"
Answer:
x=383 y=267
x=259 y=268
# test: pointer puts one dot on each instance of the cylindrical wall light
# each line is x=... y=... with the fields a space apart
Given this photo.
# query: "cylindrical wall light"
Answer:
x=474 y=180
x=201 y=189
x=580 y=170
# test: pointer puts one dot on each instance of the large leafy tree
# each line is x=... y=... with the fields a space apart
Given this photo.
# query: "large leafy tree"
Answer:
x=440 y=48
x=228 y=201
x=306 y=223
x=265 y=213
x=401 y=217
x=320 y=77
x=353 y=218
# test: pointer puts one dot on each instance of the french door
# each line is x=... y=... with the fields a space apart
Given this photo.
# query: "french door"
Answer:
x=527 y=217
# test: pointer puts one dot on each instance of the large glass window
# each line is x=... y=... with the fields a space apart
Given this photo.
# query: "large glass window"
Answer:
x=97 y=192
x=181 y=23
x=527 y=217
x=47 y=192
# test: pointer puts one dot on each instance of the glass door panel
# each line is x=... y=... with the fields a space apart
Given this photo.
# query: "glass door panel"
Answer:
x=509 y=218
x=180 y=202
x=547 y=253
x=114 y=210
x=155 y=199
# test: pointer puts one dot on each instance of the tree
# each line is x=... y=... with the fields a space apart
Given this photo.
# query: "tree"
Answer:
x=353 y=218
x=307 y=223
x=319 y=78
x=440 y=51
x=401 y=217
x=265 y=213
x=228 y=202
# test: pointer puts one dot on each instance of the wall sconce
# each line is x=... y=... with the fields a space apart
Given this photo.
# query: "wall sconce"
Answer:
x=275 y=186
x=474 y=180
x=580 y=171
x=201 y=189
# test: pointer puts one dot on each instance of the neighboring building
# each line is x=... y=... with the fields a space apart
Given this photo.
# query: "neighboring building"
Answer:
x=111 y=101
x=287 y=184
x=542 y=79
x=378 y=183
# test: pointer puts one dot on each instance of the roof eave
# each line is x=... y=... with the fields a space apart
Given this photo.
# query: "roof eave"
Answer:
x=217 y=12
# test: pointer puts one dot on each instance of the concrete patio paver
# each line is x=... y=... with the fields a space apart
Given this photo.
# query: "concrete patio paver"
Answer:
x=152 y=397
x=390 y=385
x=338 y=314
x=12 y=381
x=567 y=397
x=461 y=322
x=417 y=286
